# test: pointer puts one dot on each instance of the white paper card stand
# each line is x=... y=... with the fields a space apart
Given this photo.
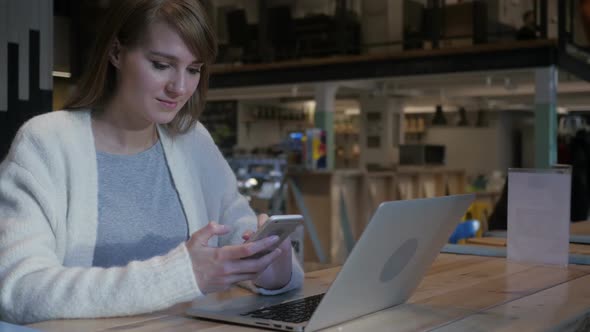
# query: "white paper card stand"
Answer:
x=539 y=215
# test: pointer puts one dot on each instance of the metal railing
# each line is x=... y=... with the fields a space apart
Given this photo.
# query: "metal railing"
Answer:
x=362 y=27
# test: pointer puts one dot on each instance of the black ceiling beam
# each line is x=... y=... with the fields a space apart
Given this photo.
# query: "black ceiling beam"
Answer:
x=477 y=58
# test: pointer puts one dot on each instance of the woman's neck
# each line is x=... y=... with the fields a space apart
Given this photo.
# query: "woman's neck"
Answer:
x=119 y=132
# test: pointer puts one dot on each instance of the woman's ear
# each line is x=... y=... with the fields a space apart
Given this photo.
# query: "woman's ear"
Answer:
x=115 y=53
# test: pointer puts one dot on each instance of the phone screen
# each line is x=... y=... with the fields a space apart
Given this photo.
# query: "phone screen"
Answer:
x=281 y=226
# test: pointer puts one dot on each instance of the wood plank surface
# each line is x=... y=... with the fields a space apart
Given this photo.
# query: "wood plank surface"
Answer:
x=561 y=308
x=575 y=248
x=580 y=228
x=458 y=293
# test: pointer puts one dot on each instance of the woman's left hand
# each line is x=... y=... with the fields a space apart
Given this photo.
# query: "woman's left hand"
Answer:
x=278 y=273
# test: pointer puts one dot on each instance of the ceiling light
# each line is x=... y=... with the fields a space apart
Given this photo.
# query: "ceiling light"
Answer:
x=352 y=111
x=309 y=105
x=63 y=74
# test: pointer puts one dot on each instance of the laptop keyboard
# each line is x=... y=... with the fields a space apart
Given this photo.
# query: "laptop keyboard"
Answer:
x=297 y=311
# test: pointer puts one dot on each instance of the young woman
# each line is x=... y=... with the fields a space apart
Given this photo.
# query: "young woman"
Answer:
x=123 y=204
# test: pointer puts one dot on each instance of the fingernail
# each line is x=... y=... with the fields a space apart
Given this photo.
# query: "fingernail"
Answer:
x=273 y=239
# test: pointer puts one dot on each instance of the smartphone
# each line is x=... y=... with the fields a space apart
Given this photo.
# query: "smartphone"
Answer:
x=279 y=225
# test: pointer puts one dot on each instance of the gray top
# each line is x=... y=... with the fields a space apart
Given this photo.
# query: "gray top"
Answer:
x=139 y=212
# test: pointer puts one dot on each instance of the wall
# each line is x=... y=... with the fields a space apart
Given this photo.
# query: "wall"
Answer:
x=251 y=7
x=552 y=17
x=26 y=62
x=483 y=150
x=261 y=133
x=579 y=32
x=474 y=149
x=308 y=7
x=219 y=9
x=510 y=12
x=380 y=118
x=528 y=141
x=381 y=22
x=525 y=124
x=61 y=44
x=62 y=90
x=507 y=12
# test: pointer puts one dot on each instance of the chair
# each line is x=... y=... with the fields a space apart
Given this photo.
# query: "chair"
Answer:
x=480 y=210
x=465 y=230
x=474 y=224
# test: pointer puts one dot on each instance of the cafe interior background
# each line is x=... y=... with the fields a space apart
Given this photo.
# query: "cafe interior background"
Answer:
x=329 y=107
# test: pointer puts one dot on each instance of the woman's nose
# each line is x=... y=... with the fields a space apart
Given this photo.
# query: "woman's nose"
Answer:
x=177 y=85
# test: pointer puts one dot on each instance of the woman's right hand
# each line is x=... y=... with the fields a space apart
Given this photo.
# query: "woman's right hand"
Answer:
x=217 y=269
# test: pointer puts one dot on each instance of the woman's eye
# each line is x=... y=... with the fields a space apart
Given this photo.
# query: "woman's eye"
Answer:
x=194 y=71
x=159 y=65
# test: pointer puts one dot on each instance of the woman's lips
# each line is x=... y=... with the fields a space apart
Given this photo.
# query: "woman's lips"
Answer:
x=168 y=104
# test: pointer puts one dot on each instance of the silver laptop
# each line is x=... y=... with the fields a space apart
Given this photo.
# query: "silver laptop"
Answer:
x=385 y=266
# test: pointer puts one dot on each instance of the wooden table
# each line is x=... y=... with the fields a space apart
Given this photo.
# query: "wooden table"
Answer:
x=580 y=228
x=459 y=293
x=575 y=248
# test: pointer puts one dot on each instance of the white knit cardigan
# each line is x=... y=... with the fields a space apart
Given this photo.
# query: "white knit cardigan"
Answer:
x=48 y=223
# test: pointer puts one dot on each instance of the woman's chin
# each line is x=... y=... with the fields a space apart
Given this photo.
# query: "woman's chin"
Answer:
x=163 y=118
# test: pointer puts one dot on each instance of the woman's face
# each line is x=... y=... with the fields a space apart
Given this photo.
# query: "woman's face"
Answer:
x=157 y=77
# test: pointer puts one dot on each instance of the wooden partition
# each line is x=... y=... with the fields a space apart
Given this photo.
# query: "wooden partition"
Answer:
x=342 y=202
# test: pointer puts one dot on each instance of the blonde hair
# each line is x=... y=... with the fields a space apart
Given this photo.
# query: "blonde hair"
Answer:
x=127 y=21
